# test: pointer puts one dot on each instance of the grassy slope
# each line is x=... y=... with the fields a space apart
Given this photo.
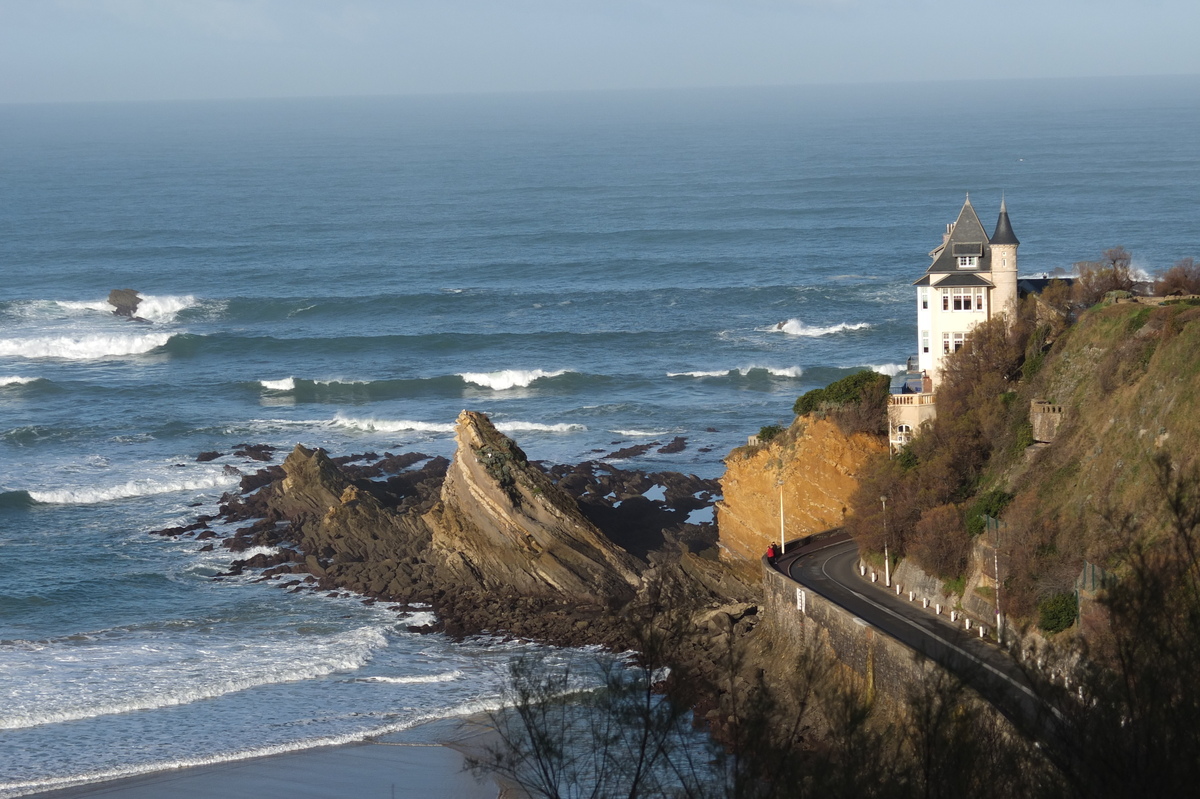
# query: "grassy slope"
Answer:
x=1128 y=377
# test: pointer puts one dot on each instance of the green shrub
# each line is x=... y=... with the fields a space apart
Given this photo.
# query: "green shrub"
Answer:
x=769 y=432
x=906 y=458
x=848 y=390
x=958 y=585
x=1057 y=612
x=990 y=503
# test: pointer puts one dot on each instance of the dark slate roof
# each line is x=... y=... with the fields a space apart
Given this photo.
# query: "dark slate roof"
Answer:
x=962 y=279
x=923 y=281
x=1004 y=232
x=968 y=235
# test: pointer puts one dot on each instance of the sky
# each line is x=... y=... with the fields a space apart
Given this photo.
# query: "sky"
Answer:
x=134 y=50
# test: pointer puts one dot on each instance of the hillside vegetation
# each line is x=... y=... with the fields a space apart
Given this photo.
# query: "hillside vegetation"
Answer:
x=1127 y=376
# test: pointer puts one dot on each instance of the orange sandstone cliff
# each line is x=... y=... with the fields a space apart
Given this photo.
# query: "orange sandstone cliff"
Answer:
x=819 y=467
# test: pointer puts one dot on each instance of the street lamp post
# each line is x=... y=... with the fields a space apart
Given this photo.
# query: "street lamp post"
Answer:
x=782 y=537
x=887 y=561
x=996 y=565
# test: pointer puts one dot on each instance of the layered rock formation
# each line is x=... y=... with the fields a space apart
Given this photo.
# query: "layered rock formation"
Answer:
x=502 y=525
x=819 y=468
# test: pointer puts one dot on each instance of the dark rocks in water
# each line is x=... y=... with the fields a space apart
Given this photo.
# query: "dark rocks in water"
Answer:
x=613 y=500
x=678 y=444
x=631 y=452
x=491 y=541
x=205 y=457
x=263 y=477
x=124 y=302
x=255 y=452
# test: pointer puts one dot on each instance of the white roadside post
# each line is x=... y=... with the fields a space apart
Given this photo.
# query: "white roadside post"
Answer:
x=887 y=562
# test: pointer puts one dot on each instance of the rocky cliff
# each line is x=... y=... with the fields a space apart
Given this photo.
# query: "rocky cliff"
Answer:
x=503 y=525
x=819 y=467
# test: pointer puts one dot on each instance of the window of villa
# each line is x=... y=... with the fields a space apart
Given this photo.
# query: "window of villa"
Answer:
x=945 y=344
x=966 y=299
x=924 y=298
x=966 y=261
x=959 y=340
x=945 y=300
x=924 y=341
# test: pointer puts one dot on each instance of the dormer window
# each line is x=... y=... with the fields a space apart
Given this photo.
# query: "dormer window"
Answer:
x=967 y=254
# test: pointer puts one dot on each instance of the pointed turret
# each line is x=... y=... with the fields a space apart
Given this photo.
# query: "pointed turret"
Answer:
x=1004 y=263
x=1004 y=232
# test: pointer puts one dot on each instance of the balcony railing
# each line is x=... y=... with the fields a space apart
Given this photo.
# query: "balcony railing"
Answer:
x=911 y=399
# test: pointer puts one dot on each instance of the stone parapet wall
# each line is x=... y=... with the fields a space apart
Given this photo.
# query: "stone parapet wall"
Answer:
x=800 y=618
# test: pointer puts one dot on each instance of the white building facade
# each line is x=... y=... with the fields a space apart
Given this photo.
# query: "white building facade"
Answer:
x=973 y=277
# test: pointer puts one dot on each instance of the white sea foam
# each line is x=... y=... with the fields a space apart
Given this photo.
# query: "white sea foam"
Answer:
x=341 y=382
x=153 y=308
x=420 y=619
x=286 y=384
x=508 y=378
x=391 y=425
x=714 y=373
x=133 y=488
x=23 y=787
x=246 y=554
x=889 y=369
x=794 y=327
x=417 y=679
x=536 y=427
x=236 y=666
x=84 y=305
x=16 y=381
x=82 y=348
x=640 y=433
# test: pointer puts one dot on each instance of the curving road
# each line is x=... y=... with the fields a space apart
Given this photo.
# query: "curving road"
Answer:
x=829 y=567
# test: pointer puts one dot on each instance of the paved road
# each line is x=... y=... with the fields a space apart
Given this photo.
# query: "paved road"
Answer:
x=829 y=567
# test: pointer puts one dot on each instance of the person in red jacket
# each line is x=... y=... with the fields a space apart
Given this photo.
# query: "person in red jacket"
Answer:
x=771 y=553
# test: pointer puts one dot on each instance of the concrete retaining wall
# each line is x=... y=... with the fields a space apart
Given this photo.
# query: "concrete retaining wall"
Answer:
x=800 y=618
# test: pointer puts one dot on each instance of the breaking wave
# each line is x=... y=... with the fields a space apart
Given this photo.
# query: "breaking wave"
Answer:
x=409 y=426
x=794 y=327
x=153 y=308
x=17 y=381
x=889 y=369
x=508 y=378
x=391 y=425
x=536 y=427
x=286 y=384
x=262 y=664
x=416 y=679
x=133 y=488
x=82 y=348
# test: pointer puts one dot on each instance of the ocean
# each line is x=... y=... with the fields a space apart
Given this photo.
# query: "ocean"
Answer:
x=591 y=270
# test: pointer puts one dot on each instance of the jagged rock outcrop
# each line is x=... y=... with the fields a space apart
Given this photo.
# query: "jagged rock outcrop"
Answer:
x=124 y=302
x=819 y=467
x=502 y=525
x=350 y=538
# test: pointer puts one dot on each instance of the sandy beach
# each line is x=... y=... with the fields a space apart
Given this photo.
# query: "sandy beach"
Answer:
x=404 y=765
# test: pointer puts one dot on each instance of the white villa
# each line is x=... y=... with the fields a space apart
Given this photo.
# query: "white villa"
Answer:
x=973 y=277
